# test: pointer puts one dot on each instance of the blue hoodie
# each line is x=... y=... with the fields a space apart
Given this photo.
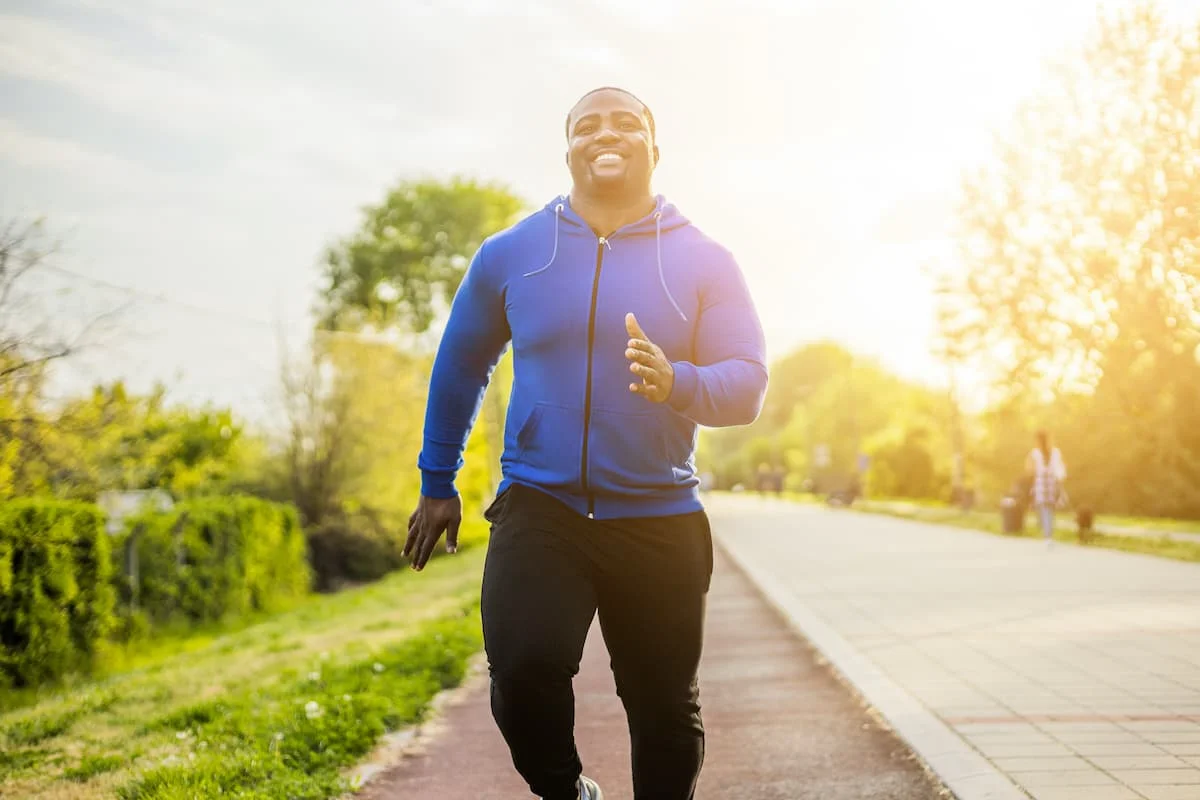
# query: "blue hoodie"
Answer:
x=560 y=294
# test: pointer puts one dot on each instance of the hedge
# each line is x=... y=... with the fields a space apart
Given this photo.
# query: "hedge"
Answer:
x=56 y=592
x=217 y=557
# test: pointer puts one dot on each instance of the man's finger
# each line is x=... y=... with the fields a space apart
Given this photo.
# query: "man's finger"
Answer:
x=425 y=549
x=452 y=536
x=642 y=371
x=633 y=328
x=414 y=528
x=641 y=356
x=418 y=557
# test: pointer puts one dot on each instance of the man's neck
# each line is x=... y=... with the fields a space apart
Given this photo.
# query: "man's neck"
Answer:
x=606 y=216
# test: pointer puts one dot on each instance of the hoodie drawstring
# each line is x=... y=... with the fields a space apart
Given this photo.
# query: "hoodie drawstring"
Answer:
x=558 y=209
x=662 y=278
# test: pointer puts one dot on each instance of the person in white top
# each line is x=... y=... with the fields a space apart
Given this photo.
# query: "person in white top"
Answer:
x=1047 y=470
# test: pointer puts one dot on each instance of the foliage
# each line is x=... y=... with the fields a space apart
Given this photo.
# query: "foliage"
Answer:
x=822 y=395
x=38 y=328
x=1162 y=546
x=56 y=595
x=410 y=253
x=216 y=557
x=294 y=739
x=1078 y=283
x=222 y=692
x=356 y=418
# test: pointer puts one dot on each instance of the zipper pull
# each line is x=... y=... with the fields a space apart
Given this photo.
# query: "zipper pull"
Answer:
x=603 y=241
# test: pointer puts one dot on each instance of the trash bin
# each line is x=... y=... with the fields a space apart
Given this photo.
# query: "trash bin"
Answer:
x=1012 y=515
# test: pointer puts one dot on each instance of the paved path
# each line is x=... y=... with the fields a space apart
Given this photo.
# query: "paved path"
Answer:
x=780 y=725
x=1072 y=673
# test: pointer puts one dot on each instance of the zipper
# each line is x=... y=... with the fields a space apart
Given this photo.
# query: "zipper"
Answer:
x=601 y=243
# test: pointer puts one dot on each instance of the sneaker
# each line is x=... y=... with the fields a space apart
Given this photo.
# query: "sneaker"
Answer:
x=588 y=790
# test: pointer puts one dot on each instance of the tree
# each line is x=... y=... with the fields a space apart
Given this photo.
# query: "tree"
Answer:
x=822 y=395
x=410 y=253
x=1079 y=258
x=32 y=339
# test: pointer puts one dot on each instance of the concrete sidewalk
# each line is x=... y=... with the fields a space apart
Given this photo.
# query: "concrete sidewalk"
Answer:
x=780 y=725
x=1015 y=671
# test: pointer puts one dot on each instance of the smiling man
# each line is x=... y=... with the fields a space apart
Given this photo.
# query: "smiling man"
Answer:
x=629 y=329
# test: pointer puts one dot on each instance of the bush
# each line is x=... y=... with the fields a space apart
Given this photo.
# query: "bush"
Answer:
x=344 y=551
x=56 y=594
x=217 y=557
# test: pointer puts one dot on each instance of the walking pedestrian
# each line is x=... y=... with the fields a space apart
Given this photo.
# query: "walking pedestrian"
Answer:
x=599 y=507
x=1046 y=470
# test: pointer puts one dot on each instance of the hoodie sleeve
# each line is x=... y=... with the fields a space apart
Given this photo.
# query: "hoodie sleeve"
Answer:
x=726 y=384
x=476 y=335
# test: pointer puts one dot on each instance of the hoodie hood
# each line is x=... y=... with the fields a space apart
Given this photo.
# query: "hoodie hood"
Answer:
x=664 y=218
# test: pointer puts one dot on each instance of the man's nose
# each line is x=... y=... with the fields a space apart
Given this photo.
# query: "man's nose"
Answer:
x=607 y=134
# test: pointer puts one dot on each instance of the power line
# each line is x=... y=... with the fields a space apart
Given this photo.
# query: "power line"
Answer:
x=164 y=299
x=158 y=298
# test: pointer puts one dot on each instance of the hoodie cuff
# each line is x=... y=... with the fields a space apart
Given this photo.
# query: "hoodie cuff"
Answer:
x=437 y=485
x=683 y=391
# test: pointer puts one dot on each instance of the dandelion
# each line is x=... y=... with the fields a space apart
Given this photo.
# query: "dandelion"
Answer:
x=203 y=745
x=312 y=709
x=315 y=675
x=378 y=667
x=181 y=735
x=277 y=737
x=346 y=698
x=324 y=655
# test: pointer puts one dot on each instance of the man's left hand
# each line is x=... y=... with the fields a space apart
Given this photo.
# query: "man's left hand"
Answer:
x=648 y=362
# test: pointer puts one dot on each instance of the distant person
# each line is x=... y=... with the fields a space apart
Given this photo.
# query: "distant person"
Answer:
x=599 y=508
x=1046 y=471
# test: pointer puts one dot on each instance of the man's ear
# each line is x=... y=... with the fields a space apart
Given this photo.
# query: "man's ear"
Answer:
x=656 y=155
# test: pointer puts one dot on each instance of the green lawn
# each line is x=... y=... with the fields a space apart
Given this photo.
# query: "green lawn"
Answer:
x=279 y=707
x=990 y=521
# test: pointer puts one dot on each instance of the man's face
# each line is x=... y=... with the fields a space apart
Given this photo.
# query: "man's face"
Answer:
x=610 y=151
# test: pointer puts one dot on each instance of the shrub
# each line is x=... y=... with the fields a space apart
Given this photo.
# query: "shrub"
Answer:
x=217 y=557
x=346 y=550
x=56 y=592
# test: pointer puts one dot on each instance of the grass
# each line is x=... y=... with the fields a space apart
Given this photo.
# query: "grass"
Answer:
x=990 y=522
x=275 y=707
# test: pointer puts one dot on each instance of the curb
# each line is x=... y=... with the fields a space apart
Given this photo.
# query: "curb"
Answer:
x=966 y=773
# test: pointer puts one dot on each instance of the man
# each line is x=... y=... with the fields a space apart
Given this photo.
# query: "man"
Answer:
x=599 y=506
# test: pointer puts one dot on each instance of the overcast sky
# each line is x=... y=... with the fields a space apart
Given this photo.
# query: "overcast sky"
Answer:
x=206 y=152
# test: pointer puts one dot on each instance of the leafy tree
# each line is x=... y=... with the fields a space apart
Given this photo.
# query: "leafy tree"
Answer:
x=115 y=440
x=410 y=253
x=32 y=340
x=1078 y=282
x=824 y=395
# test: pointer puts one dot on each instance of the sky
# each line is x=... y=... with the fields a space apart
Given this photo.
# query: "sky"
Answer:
x=195 y=157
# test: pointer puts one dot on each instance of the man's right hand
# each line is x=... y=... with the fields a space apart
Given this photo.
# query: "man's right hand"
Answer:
x=426 y=525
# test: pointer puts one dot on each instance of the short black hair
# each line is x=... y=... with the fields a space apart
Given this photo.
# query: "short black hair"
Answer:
x=645 y=108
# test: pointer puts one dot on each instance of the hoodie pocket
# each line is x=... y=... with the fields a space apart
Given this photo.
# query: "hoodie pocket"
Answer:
x=548 y=446
x=628 y=452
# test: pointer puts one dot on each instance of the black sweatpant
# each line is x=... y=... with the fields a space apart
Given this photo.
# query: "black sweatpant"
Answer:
x=548 y=571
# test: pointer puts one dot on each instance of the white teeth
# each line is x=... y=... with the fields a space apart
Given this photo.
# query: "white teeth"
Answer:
x=607 y=157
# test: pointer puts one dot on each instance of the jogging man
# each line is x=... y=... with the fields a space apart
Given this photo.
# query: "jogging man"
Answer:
x=629 y=329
